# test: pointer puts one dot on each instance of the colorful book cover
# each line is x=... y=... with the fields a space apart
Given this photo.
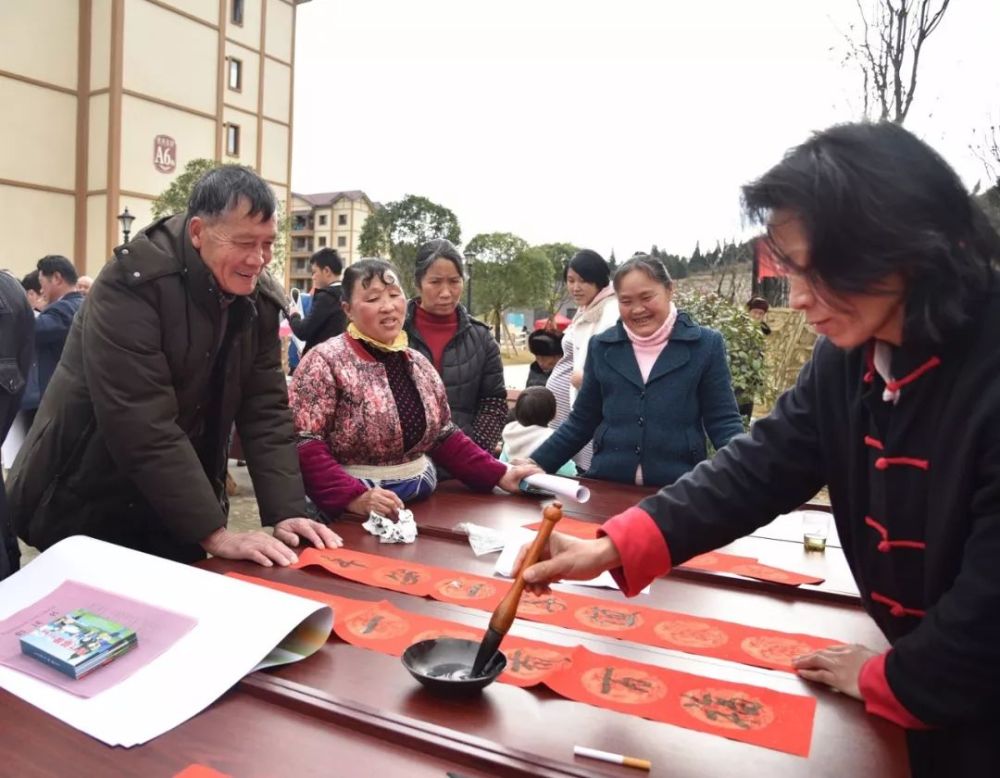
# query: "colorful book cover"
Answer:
x=78 y=642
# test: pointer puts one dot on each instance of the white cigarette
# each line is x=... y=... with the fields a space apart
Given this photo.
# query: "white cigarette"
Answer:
x=607 y=756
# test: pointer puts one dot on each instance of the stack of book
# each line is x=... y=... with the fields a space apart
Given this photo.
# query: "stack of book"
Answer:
x=78 y=643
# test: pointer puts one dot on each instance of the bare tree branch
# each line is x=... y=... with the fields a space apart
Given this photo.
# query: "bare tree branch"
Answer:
x=887 y=51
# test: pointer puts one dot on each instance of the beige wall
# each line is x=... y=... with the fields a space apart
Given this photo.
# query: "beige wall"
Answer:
x=97 y=142
x=277 y=86
x=142 y=121
x=247 y=98
x=156 y=65
x=39 y=128
x=248 y=136
x=35 y=224
x=100 y=44
x=203 y=9
x=278 y=30
x=38 y=39
x=274 y=164
x=249 y=33
x=97 y=253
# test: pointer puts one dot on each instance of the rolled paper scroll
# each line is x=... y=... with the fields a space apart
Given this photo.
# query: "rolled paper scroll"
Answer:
x=559 y=486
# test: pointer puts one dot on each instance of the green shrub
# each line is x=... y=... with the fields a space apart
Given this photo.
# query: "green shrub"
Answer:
x=744 y=340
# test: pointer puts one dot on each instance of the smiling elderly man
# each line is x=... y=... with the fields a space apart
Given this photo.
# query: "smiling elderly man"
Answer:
x=178 y=339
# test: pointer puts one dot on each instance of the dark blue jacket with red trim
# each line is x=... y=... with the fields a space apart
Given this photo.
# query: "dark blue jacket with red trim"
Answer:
x=915 y=488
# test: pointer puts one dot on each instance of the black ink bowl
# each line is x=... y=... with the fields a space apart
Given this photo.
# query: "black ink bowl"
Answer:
x=444 y=665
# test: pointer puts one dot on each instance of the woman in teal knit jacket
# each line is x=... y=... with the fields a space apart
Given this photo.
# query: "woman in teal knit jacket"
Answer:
x=653 y=386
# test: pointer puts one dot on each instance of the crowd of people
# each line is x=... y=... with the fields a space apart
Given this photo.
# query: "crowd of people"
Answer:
x=134 y=385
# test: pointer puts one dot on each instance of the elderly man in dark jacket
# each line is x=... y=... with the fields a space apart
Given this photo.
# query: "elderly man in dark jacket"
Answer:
x=178 y=339
x=16 y=347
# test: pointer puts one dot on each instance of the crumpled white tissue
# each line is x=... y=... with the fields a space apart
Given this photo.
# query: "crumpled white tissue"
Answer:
x=388 y=531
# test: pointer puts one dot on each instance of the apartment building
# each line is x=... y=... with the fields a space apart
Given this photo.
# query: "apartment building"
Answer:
x=333 y=219
x=105 y=102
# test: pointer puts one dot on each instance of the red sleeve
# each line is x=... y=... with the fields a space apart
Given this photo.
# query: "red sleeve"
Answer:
x=641 y=546
x=468 y=462
x=879 y=698
x=327 y=483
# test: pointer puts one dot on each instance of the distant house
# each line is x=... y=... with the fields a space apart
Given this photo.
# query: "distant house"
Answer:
x=327 y=219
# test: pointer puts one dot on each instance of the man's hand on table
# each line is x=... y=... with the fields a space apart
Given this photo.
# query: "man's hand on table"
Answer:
x=266 y=549
x=837 y=666
x=569 y=558
x=321 y=536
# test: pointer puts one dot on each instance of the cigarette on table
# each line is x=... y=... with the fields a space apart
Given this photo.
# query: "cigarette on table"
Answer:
x=607 y=756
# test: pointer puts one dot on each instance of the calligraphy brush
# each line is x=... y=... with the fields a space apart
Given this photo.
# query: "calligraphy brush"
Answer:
x=505 y=612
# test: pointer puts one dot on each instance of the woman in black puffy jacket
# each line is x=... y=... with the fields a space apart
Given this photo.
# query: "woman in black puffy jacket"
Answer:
x=460 y=347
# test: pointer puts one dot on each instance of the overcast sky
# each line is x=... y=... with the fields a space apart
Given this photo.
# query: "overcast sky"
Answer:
x=604 y=124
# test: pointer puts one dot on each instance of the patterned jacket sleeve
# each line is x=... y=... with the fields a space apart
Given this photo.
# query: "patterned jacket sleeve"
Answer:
x=491 y=413
x=313 y=398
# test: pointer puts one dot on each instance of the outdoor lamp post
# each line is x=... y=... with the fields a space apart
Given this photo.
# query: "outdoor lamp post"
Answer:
x=126 y=219
x=469 y=259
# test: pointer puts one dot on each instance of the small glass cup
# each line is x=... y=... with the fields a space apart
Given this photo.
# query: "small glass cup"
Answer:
x=815 y=529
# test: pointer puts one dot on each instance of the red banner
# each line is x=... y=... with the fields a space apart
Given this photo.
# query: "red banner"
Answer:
x=767 y=265
x=751 y=714
x=649 y=626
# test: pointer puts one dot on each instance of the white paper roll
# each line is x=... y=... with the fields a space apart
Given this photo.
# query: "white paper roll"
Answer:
x=559 y=486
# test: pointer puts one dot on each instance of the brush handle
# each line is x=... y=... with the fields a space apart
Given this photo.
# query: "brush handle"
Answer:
x=505 y=612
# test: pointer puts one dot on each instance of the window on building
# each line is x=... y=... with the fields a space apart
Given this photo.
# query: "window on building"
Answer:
x=300 y=264
x=341 y=219
x=235 y=74
x=322 y=241
x=341 y=241
x=233 y=140
x=322 y=220
x=236 y=12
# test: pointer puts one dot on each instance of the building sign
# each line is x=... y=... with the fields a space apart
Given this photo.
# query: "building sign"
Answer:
x=164 y=153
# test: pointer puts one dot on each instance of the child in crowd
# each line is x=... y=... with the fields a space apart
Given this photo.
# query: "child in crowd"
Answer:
x=534 y=409
x=546 y=346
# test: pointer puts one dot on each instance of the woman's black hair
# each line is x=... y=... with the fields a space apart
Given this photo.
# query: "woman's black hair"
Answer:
x=874 y=200
x=436 y=249
x=364 y=271
x=651 y=266
x=591 y=267
x=536 y=406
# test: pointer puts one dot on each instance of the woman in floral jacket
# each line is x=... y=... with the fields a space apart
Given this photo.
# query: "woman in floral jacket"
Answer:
x=371 y=413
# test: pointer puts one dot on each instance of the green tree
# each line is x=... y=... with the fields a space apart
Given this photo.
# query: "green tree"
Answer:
x=174 y=199
x=399 y=228
x=559 y=255
x=743 y=337
x=506 y=272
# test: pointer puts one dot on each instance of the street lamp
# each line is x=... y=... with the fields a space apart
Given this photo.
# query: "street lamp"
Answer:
x=469 y=259
x=126 y=219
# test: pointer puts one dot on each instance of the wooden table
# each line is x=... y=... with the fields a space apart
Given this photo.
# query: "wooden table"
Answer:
x=778 y=544
x=347 y=711
x=535 y=726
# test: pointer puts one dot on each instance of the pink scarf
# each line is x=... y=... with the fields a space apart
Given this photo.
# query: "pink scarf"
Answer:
x=648 y=347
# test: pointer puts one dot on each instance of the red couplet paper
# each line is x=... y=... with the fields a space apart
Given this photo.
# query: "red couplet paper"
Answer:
x=649 y=626
x=200 y=771
x=714 y=561
x=751 y=714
